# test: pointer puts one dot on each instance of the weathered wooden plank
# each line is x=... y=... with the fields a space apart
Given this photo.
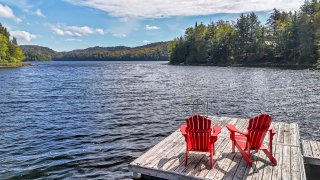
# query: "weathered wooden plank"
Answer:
x=251 y=171
x=193 y=156
x=205 y=164
x=220 y=164
x=286 y=164
x=170 y=143
x=295 y=166
x=241 y=170
x=301 y=163
x=174 y=160
x=234 y=165
x=306 y=147
x=224 y=131
x=315 y=149
x=276 y=173
x=200 y=157
x=311 y=152
x=169 y=156
x=224 y=165
x=175 y=164
x=276 y=151
x=286 y=133
x=151 y=151
x=294 y=140
x=300 y=155
x=217 y=157
x=280 y=137
x=270 y=168
x=286 y=154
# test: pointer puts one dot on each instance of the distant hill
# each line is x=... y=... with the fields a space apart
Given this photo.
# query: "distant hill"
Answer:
x=38 y=53
x=150 y=52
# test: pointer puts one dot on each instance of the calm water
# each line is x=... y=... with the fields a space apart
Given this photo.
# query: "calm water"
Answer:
x=90 y=119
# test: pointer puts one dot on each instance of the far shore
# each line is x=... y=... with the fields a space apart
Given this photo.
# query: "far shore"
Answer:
x=281 y=66
x=13 y=65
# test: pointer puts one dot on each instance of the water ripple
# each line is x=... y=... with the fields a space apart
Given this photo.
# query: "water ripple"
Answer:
x=90 y=119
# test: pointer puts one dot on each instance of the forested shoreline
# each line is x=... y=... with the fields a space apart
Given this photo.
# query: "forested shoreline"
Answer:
x=287 y=39
x=150 y=52
x=10 y=53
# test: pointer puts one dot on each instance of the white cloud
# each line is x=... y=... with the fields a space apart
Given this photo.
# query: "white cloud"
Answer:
x=24 y=5
x=167 y=8
x=23 y=36
x=57 y=31
x=76 y=31
x=100 y=31
x=119 y=35
x=73 y=39
x=145 y=42
x=149 y=28
x=39 y=13
x=6 y=12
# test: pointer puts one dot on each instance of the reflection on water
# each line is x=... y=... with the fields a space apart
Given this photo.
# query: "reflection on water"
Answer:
x=90 y=119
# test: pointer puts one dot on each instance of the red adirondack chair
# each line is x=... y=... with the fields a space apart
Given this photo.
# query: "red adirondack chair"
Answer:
x=252 y=140
x=199 y=136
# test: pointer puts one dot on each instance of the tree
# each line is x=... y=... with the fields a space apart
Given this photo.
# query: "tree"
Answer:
x=4 y=49
x=288 y=38
x=10 y=52
x=242 y=28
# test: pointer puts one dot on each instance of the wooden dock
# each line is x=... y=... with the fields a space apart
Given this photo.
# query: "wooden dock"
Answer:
x=311 y=152
x=166 y=159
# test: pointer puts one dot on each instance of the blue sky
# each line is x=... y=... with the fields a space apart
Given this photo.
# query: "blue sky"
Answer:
x=65 y=25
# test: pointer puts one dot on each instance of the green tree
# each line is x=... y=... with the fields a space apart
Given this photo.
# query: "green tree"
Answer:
x=10 y=52
x=288 y=38
x=4 y=49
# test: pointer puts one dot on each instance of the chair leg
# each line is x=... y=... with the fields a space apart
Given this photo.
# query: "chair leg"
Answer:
x=186 y=159
x=233 y=148
x=246 y=157
x=211 y=163
x=269 y=155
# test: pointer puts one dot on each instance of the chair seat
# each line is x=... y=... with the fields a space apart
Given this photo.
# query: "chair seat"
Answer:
x=242 y=142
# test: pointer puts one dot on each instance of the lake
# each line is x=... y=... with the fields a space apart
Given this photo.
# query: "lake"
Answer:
x=90 y=119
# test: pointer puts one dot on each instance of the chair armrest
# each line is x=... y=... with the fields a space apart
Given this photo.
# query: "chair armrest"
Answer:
x=183 y=129
x=272 y=133
x=233 y=129
x=216 y=130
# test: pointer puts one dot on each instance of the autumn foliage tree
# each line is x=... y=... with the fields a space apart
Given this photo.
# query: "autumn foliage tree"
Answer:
x=10 y=51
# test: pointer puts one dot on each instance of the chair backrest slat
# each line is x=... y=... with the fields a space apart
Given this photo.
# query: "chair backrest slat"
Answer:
x=199 y=131
x=257 y=129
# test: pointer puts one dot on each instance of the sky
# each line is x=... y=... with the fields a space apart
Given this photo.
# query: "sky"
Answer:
x=65 y=25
